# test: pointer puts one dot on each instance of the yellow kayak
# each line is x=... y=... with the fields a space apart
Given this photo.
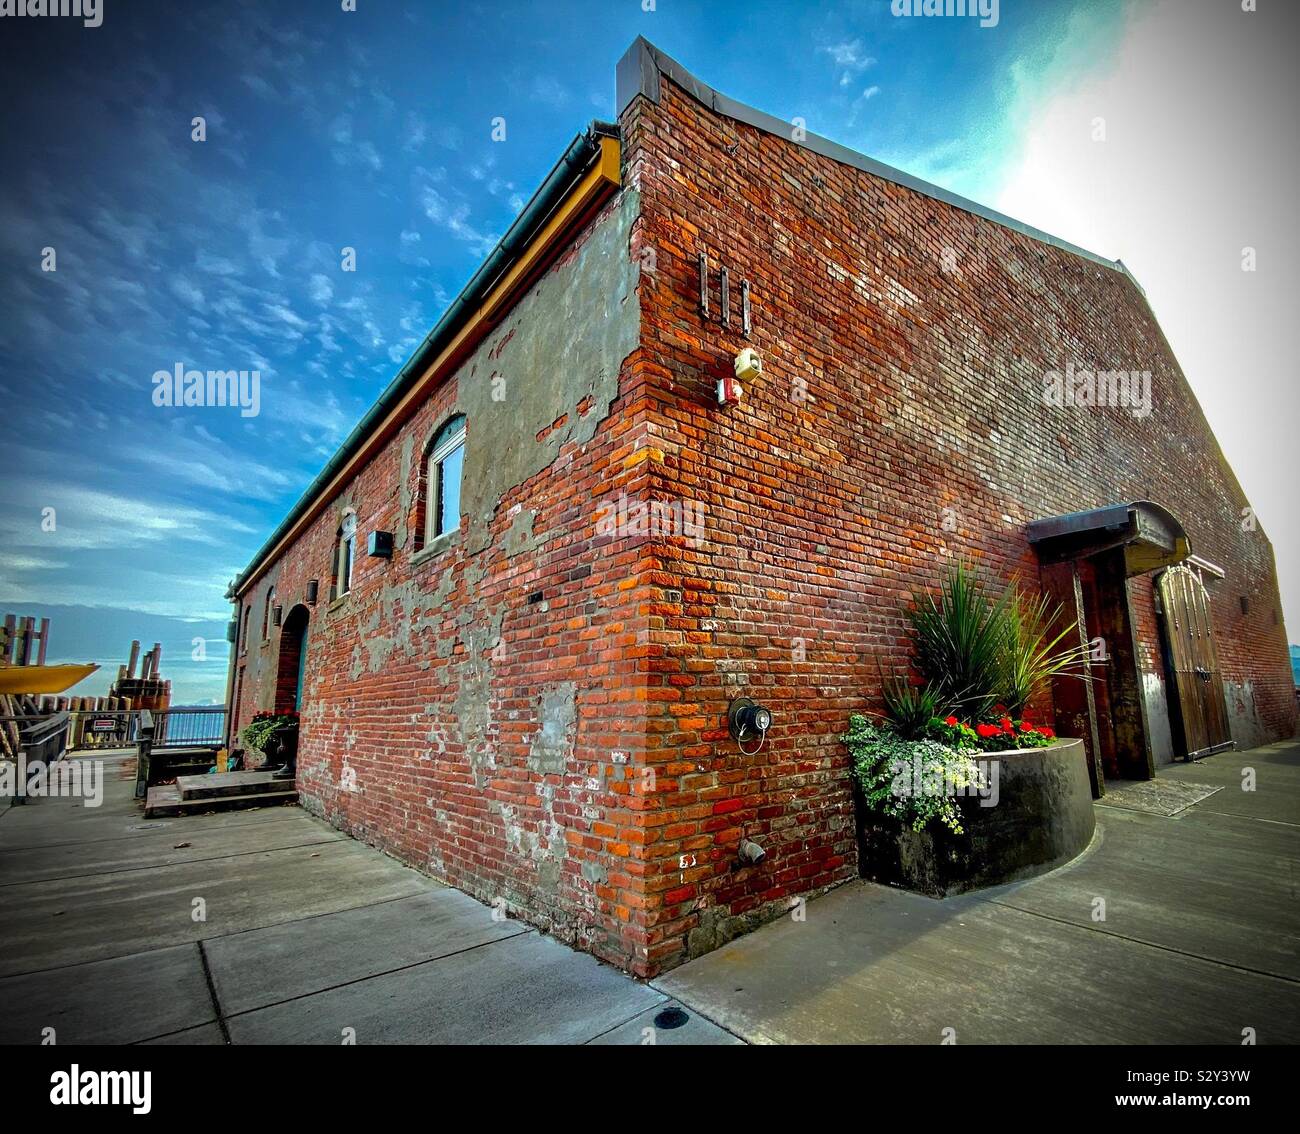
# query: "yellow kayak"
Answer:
x=42 y=678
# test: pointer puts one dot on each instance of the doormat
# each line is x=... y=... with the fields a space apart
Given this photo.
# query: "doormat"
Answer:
x=1156 y=797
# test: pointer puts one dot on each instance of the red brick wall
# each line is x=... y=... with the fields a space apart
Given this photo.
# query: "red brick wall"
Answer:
x=429 y=686
x=899 y=423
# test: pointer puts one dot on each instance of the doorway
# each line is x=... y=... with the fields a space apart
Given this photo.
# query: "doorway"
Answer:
x=292 y=662
x=1087 y=561
x=1198 y=712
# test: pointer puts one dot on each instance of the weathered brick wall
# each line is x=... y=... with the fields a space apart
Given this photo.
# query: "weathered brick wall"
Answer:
x=465 y=704
x=535 y=713
x=900 y=423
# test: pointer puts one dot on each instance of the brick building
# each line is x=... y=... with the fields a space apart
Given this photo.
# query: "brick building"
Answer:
x=515 y=607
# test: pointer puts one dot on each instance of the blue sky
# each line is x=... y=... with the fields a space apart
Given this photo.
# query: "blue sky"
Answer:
x=372 y=130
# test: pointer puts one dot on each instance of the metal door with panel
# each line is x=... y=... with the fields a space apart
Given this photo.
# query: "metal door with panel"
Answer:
x=1198 y=712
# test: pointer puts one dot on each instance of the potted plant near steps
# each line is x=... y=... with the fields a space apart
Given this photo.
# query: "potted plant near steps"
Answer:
x=956 y=786
x=275 y=736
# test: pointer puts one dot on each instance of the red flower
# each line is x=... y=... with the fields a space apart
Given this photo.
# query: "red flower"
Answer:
x=951 y=722
x=986 y=730
x=1007 y=726
x=1045 y=731
x=1025 y=726
x=999 y=708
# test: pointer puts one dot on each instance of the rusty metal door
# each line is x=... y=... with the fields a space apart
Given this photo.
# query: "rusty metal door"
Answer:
x=1199 y=713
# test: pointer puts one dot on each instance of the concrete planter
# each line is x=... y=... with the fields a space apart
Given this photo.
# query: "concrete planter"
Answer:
x=280 y=749
x=1043 y=817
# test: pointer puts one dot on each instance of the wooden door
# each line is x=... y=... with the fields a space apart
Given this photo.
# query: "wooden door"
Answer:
x=1198 y=713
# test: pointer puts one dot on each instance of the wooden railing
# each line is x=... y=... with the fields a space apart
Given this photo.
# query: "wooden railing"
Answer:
x=171 y=729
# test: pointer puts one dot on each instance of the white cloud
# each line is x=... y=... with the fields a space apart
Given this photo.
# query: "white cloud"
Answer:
x=548 y=90
x=11 y=561
x=87 y=518
x=320 y=289
x=455 y=219
x=849 y=58
x=187 y=290
x=1197 y=164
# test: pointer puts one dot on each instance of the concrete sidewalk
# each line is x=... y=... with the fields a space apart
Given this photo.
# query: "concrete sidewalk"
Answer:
x=1199 y=941
x=306 y=936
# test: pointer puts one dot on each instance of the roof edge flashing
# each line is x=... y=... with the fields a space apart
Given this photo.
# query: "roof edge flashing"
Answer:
x=584 y=153
x=642 y=65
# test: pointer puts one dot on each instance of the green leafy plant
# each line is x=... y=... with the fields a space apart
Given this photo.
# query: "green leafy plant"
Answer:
x=257 y=733
x=915 y=781
x=952 y=732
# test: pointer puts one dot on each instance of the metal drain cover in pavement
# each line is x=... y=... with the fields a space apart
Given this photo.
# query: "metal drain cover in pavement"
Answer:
x=671 y=1018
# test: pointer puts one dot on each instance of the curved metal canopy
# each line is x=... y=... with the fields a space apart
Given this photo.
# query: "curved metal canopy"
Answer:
x=1149 y=533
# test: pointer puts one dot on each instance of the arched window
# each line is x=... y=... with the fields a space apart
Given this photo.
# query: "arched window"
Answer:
x=266 y=613
x=442 y=472
x=347 y=552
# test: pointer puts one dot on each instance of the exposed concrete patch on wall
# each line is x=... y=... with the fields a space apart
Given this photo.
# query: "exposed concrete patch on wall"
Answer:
x=595 y=872
x=398 y=611
x=525 y=395
x=471 y=706
x=519 y=536
x=552 y=746
x=442 y=592
x=405 y=611
x=717 y=926
x=545 y=846
x=403 y=533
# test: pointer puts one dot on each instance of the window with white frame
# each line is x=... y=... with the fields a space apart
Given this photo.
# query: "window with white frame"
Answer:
x=442 y=475
x=347 y=552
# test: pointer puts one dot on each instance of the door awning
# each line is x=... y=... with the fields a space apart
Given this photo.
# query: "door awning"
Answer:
x=1149 y=534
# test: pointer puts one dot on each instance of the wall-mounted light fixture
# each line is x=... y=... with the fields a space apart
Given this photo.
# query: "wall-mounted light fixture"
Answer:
x=748 y=721
x=313 y=589
x=276 y=613
x=379 y=545
x=747 y=366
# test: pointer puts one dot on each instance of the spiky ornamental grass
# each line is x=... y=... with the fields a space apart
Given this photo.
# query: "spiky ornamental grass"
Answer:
x=975 y=652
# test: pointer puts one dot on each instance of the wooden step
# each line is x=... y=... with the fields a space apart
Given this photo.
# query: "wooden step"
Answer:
x=165 y=800
x=216 y=784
